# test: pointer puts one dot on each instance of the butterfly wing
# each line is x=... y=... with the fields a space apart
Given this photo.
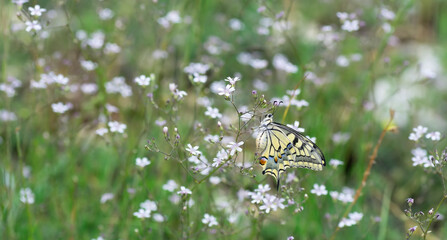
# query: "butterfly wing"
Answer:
x=282 y=147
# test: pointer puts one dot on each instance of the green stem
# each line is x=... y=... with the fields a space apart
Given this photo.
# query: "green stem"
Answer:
x=434 y=215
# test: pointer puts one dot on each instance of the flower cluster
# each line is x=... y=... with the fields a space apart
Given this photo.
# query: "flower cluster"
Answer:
x=146 y=209
x=349 y=21
x=353 y=218
x=266 y=201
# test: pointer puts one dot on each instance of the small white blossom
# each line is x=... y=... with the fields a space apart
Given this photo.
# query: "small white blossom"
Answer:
x=434 y=136
x=158 y=217
x=319 y=190
x=112 y=48
x=36 y=11
x=106 y=197
x=142 y=80
x=33 y=25
x=117 y=127
x=296 y=127
x=193 y=150
x=142 y=162
x=209 y=220
x=88 y=65
x=215 y=180
x=142 y=213
x=351 y=26
x=102 y=131
x=227 y=91
x=149 y=205
x=263 y=189
x=170 y=186
x=212 y=138
x=232 y=81
x=235 y=147
x=26 y=196
x=256 y=197
x=184 y=191
x=105 y=14
x=417 y=133
x=7 y=116
x=213 y=112
x=335 y=163
x=61 y=107
x=346 y=222
x=197 y=78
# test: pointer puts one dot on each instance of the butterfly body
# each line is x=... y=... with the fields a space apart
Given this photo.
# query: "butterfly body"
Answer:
x=282 y=147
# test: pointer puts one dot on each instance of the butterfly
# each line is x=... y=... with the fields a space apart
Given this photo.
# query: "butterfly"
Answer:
x=281 y=147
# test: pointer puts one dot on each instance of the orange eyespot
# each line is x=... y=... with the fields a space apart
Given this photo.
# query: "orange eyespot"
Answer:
x=276 y=159
x=262 y=161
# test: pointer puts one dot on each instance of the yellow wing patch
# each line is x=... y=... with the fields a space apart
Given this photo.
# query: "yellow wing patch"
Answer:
x=282 y=147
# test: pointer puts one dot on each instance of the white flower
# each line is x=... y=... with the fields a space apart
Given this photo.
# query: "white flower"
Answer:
x=184 y=191
x=335 y=163
x=387 y=14
x=256 y=197
x=342 y=16
x=88 y=65
x=350 y=26
x=7 y=116
x=227 y=91
x=209 y=220
x=434 y=136
x=26 y=196
x=319 y=190
x=356 y=216
x=281 y=62
x=236 y=24
x=193 y=150
x=417 y=133
x=61 y=107
x=345 y=222
x=296 y=127
x=215 y=180
x=158 y=217
x=342 y=61
x=142 y=162
x=170 y=186
x=102 y=131
x=232 y=218
x=269 y=203
x=197 y=78
x=199 y=68
x=149 y=205
x=419 y=157
x=118 y=85
x=212 y=138
x=19 y=2
x=105 y=14
x=213 y=112
x=232 y=81
x=262 y=189
x=142 y=80
x=117 y=126
x=60 y=79
x=36 y=11
x=33 y=25
x=112 y=48
x=89 y=88
x=142 y=213
x=106 y=197
x=235 y=147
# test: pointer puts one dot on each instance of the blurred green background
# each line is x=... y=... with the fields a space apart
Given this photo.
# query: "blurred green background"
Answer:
x=395 y=59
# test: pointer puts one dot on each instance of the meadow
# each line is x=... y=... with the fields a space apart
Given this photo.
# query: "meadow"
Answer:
x=138 y=119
